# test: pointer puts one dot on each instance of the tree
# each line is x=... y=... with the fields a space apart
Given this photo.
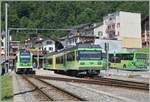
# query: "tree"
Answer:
x=64 y=14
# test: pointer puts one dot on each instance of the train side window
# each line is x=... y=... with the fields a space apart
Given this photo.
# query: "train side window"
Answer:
x=45 y=61
x=115 y=60
x=73 y=56
x=118 y=60
x=59 y=60
x=77 y=56
x=49 y=61
x=70 y=56
x=62 y=59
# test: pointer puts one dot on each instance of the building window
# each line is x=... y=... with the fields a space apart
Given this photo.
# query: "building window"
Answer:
x=50 y=48
x=2 y=44
x=75 y=40
x=147 y=35
x=100 y=33
x=113 y=26
x=118 y=34
x=49 y=42
x=143 y=35
x=109 y=27
x=118 y=25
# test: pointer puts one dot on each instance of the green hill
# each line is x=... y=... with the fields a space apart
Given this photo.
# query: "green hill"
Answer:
x=63 y=14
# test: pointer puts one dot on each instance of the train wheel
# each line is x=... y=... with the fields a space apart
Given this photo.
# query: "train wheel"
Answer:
x=124 y=66
x=74 y=73
x=16 y=71
x=55 y=71
x=33 y=72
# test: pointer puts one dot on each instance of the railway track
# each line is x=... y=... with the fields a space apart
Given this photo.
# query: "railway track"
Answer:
x=51 y=91
x=103 y=81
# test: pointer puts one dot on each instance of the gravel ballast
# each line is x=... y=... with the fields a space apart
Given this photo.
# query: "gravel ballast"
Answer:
x=22 y=91
x=90 y=94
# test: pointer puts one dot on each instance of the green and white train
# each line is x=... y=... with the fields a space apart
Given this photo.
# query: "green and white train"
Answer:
x=129 y=60
x=24 y=63
x=80 y=59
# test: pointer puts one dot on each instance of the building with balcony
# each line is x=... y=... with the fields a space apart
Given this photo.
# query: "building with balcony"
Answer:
x=3 y=43
x=48 y=45
x=83 y=33
x=43 y=44
x=123 y=26
x=145 y=31
x=14 y=46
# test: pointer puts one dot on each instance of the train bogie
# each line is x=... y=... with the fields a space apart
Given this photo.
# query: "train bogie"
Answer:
x=25 y=71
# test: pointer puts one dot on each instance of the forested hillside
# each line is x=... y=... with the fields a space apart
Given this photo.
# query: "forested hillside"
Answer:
x=54 y=14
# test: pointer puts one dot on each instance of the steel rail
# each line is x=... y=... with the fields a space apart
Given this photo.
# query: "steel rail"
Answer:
x=102 y=81
x=69 y=93
x=58 y=88
x=25 y=77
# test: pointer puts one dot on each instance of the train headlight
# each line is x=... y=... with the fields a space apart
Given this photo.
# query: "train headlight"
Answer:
x=99 y=63
x=82 y=63
x=133 y=63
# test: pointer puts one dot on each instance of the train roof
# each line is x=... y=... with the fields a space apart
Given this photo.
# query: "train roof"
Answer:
x=84 y=46
x=128 y=52
x=68 y=48
x=88 y=46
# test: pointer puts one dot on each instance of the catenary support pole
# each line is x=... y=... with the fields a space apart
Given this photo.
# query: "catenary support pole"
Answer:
x=6 y=37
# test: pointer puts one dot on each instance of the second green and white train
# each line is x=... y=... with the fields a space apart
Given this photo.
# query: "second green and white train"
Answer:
x=80 y=59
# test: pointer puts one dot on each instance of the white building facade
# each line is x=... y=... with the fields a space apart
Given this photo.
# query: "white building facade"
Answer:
x=114 y=45
x=3 y=43
x=48 y=45
x=98 y=31
x=123 y=26
x=2 y=46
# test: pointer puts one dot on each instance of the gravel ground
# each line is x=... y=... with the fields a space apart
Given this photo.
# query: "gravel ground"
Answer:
x=89 y=94
x=22 y=92
x=133 y=95
x=137 y=95
x=51 y=73
x=142 y=76
x=53 y=92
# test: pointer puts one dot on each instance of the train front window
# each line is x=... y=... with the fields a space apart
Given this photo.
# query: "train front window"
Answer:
x=90 y=55
x=25 y=59
x=141 y=56
x=125 y=56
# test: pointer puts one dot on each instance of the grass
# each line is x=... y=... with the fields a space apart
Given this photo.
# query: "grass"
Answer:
x=6 y=88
